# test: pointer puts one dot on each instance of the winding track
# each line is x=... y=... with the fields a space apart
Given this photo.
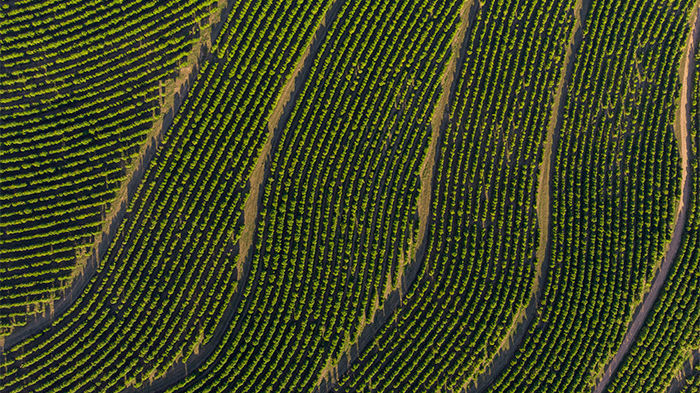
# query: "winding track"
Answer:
x=667 y=259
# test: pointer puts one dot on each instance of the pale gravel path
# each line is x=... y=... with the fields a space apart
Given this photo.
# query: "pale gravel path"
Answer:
x=678 y=229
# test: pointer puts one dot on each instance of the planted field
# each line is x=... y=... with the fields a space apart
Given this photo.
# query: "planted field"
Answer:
x=672 y=329
x=479 y=264
x=82 y=86
x=337 y=218
x=360 y=196
x=163 y=285
x=615 y=183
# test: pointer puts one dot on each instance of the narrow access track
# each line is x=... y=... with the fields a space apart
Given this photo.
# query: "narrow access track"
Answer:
x=87 y=265
x=275 y=124
x=439 y=121
x=517 y=331
x=679 y=225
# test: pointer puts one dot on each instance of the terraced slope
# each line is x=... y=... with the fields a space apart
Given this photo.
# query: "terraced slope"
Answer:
x=478 y=270
x=339 y=207
x=672 y=328
x=616 y=182
x=170 y=273
x=81 y=86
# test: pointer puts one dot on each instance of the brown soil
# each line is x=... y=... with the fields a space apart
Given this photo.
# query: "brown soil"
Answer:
x=667 y=259
x=686 y=370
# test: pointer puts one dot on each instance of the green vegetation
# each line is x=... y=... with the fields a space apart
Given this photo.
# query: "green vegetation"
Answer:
x=168 y=277
x=79 y=93
x=672 y=329
x=354 y=196
x=338 y=206
x=615 y=184
x=479 y=265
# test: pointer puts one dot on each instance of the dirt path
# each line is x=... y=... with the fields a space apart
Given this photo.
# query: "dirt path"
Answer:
x=176 y=91
x=517 y=331
x=275 y=124
x=439 y=121
x=688 y=368
x=678 y=229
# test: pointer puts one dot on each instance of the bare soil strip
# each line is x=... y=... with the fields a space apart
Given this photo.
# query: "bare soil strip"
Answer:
x=439 y=121
x=640 y=315
x=275 y=124
x=175 y=94
x=686 y=370
x=526 y=315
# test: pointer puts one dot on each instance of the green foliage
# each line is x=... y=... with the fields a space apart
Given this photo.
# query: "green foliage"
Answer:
x=610 y=222
x=80 y=87
x=339 y=204
x=672 y=328
x=478 y=269
x=167 y=279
